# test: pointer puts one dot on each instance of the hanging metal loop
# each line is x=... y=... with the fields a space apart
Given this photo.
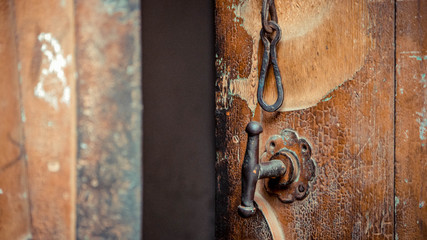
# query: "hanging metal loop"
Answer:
x=270 y=57
x=270 y=36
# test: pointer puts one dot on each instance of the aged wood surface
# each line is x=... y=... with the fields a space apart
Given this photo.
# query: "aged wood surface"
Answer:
x=45 y=47
x=14 y=201
x=315 y=34
x=109 y=119
x=411 y=120
x=351 y=131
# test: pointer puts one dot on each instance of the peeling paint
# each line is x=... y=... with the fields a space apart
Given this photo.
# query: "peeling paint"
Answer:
x=327 y=99
x=421 y=204
x=83 y=145
x=422 y=120
x=52 y=86
x=423 y=80
x=1 y=191
x=419 y=58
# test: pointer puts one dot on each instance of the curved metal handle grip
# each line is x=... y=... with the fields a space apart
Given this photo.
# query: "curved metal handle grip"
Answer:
x=252 y=170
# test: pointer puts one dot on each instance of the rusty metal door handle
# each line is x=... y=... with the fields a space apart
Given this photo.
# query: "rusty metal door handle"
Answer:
x=286 y=164
x=252 y=171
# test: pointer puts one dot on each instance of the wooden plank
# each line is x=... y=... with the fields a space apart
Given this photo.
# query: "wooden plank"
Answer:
x=411 y=120
x=14 y=204
x=45 y=38
x=109 y=119
x=351 y=130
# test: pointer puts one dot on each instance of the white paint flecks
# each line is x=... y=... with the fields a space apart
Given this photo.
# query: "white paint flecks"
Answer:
x=422 y=120
x=83 y=145
x=422 y=204
x=23 y=195
x=423 y=80
x=1 y=191
x=23 y=117
x=418 y=57
x=53 y=166
x=28 y=236
x=52 y=86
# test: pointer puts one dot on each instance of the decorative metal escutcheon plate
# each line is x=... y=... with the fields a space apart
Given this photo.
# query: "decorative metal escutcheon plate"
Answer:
x=295 y=153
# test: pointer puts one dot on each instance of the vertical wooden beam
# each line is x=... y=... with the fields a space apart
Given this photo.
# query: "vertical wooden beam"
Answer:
x=411 y=120
x=14 y=204
x=109 y=119
x=45 y=38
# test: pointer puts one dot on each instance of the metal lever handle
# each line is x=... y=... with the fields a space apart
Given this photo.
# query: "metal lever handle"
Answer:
x=252 y=171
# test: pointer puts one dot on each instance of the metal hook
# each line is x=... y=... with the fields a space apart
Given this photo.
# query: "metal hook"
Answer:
x=270 y=51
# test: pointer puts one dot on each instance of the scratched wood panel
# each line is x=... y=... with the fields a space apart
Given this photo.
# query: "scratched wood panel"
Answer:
x=109 y=119
x=411 y=120
x=351 y=130
x=14 y=204
x=45 y=41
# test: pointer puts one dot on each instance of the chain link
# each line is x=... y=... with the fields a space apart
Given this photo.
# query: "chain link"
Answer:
x=268 y=9
x=270 y=36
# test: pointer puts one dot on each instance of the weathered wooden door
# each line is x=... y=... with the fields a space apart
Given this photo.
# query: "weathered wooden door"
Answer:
x=354 y=77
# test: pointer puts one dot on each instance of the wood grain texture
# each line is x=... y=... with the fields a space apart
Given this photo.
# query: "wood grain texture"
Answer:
x=315 y=34
x=411 y=120
x=14 y=202
x=351 y=131
x=109 y=119
x=45 y=42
